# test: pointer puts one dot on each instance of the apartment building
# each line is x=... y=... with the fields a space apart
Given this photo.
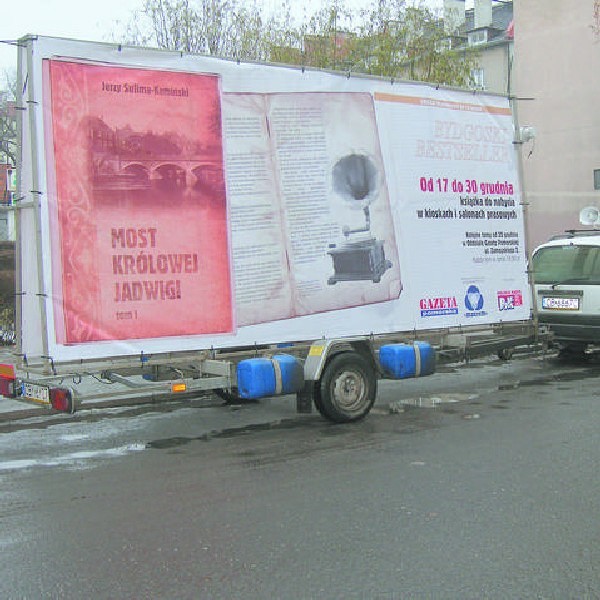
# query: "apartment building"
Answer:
x=487 y=28
x=557 y=61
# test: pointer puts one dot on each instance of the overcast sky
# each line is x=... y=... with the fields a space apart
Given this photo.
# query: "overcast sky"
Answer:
x=80 y=19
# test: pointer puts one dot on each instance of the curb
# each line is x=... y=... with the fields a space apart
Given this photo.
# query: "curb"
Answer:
x=33 y=410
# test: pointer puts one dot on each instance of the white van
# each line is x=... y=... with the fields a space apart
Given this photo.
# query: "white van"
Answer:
x=566 y=274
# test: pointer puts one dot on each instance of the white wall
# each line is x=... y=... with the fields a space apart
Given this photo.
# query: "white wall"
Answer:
x=557 y=61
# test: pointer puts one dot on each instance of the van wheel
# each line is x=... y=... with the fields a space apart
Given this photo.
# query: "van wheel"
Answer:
x=347 y=388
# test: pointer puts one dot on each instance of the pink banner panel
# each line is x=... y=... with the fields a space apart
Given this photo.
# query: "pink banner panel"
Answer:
x=137 y=197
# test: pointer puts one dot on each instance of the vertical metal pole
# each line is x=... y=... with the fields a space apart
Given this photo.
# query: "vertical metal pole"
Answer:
x=518 y=143
x=20 y=195
x=38 y=196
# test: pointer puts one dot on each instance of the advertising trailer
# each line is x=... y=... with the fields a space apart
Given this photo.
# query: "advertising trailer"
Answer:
x=177 y=208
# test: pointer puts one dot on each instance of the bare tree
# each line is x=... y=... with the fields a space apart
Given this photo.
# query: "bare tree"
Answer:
x=392 y=38
x=226 y=28
x=8 y=118
x=408 y=41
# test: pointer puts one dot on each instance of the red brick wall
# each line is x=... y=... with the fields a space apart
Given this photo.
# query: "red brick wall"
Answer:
x=3 y=183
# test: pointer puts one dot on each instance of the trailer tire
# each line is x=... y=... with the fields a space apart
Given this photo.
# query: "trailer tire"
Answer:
x=317 y=399
x=347 y=388
x=505 y=353
x=232 y=396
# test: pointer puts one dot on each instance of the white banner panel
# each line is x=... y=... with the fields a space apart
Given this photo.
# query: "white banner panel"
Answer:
x=189 y=202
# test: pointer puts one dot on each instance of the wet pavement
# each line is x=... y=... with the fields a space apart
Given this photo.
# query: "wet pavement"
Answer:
x=479 y=481
x=32 y=436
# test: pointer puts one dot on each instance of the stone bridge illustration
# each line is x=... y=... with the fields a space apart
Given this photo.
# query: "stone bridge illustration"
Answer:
x=126 y=160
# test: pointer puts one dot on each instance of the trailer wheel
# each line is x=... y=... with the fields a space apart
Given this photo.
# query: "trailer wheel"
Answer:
x=347 y=388
x=231 y=396
x=505 y=353
x=317 y=399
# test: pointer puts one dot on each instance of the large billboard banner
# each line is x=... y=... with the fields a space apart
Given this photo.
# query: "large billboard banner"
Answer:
x=195 y=203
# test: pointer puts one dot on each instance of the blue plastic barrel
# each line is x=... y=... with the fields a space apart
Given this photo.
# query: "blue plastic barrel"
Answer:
x=402 y=361
x=258 y=377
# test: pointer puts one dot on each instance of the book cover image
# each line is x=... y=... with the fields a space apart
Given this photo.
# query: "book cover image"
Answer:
x=137 y=203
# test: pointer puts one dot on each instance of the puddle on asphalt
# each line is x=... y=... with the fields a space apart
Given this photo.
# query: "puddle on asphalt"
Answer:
x=433 y=401
x=230 y=432
x=509 y=386
x=567 y=377
x=396 y=407
x=424 y=402
x=167 y=443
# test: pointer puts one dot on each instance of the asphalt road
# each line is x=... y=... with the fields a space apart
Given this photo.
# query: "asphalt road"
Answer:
x=478 y=482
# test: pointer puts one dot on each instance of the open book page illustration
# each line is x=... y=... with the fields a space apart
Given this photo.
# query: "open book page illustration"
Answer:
x=311 y=222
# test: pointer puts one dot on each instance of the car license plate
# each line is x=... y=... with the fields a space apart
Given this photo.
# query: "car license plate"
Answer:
x=36 y=393
x=560 y=303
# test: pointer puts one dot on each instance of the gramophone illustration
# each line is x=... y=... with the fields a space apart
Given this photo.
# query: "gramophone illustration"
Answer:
x=360 y=256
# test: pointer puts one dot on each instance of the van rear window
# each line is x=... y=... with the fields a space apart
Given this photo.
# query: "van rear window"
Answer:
x=569 y=263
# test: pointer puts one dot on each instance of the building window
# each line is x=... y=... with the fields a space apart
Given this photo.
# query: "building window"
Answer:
x=478 y=78
x=597 y=179
x=478 y=37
